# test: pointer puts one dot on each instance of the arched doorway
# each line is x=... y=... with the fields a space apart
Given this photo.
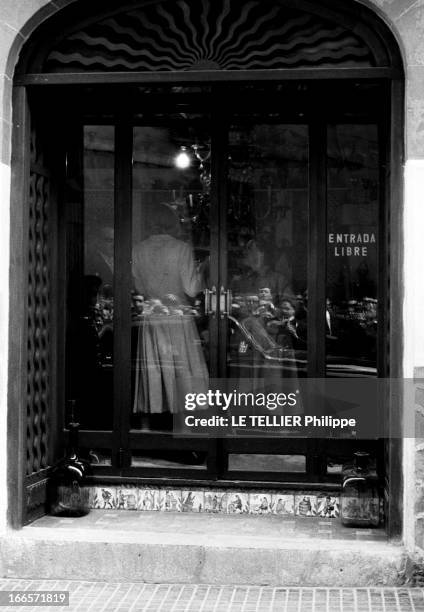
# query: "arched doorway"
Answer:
x=287 y=114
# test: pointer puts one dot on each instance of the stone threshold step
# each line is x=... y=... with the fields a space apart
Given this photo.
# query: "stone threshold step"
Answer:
x=155 y=547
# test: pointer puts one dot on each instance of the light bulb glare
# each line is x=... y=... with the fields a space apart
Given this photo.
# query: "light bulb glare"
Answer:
x=182 y=160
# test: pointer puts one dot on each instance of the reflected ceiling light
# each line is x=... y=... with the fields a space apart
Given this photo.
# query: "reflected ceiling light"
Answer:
x=182 y=159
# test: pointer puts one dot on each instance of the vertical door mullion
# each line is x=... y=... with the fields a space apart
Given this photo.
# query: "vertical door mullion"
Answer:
x=218 y=326
x=317 y=248
x=394 y=194
x=18 y=305
x=222 y=178
x=122 y=291
x=383 y=249
x=215 y=243
x=315 y=460
x=218 y=233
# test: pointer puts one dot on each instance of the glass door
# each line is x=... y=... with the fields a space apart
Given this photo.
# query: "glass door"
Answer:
x=173 y=294
x=353 y=234
x=265 y=277
x=240 y=242
x=140 y=258
x=267 y=250
x=89 y=267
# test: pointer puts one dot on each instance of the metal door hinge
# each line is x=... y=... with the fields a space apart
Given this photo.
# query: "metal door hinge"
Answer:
x=210 y=301
x=225 y=300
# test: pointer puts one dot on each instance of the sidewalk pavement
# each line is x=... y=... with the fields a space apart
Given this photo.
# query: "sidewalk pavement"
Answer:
x=141 y=597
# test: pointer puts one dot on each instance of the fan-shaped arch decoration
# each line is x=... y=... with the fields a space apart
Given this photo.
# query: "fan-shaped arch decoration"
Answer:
x=211 y=35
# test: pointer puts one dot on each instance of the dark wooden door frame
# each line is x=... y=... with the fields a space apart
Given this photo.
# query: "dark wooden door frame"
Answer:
x=354 y=13
x=17 y=390
x=124 y=441
x=17 y=380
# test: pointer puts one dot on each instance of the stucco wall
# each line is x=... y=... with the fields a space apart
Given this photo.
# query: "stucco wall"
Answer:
x=18 y=18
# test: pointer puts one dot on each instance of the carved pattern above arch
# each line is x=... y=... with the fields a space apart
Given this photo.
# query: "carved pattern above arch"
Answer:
x=206 y=35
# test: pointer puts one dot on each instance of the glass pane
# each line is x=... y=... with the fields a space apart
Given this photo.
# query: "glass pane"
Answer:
x=266 y=463
x=171 y=251
x=89 y=232
x=352 y=250
x=99 y=456
x=267 y=235
x=169 y=459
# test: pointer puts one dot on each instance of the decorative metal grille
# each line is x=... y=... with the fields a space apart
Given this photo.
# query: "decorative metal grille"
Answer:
x=38 y=360
x=206 y=35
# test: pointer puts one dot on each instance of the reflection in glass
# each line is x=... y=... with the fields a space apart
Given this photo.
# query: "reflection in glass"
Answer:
x=100 y=456
x=267 y=250
x=90 y=278
x=352 y=250
x=169 y=459
x=168 y=355
x=266 y=463
x=171 y=250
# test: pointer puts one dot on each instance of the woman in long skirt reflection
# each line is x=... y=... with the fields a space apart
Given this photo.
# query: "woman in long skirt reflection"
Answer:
x=169 y=358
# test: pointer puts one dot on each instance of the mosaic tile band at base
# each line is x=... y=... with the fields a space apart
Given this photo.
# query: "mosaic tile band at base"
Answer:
x=213 y=501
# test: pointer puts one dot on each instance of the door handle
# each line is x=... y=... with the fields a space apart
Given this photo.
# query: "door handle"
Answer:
x=210 y=301
x=225 y=300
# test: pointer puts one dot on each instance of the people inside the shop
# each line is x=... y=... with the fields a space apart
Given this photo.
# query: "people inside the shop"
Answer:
x=259 y=283
x=98 y=263
x=168 y=352
x=290 y=329
x=281 y=323
x=271 y=328
x=137 y=306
